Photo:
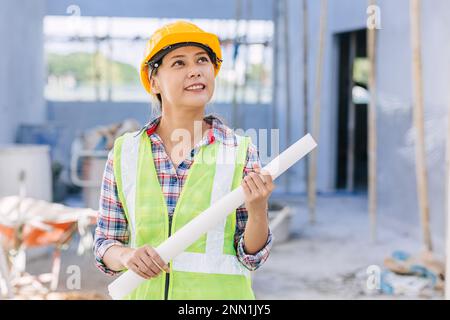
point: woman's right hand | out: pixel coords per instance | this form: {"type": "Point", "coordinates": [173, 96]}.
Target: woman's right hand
{"type": "Point", "coordinates": [144, 261]}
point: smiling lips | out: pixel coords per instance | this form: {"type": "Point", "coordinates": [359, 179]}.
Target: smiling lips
{"type": "Point", "coordinates": [196, 87]}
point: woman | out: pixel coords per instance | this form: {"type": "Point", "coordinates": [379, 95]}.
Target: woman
{"type": "Point", "coordinates": [155, 182]}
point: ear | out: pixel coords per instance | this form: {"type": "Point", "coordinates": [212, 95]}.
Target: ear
{"type": "Point", "coordinates": [155, 85]}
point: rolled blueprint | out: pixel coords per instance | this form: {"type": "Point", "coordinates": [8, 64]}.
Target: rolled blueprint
{"type": "Point", "coordinates": [205, 221]}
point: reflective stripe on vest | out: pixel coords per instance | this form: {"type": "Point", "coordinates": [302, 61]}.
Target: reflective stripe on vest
{"type": "Point", "coordinates": [129, 161]}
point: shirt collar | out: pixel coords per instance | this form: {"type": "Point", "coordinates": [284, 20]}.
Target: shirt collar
{"type": "Point", "coordinates": [217, 130]}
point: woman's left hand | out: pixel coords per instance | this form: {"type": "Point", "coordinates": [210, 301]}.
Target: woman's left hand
{"type": "Point", "coordinates": [258, 187]}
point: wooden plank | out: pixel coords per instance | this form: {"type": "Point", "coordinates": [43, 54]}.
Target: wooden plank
{"type": "Point", "coordinates": [316, 118]}
{"type": "Point", "coordinates": [372, 126]}
{"type": "Point", "coordinates": [447, 210]}
{"type": "Point", "coordinates": [418, 115]}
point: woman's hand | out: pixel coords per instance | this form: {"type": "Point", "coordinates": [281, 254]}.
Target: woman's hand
{"type": "Point", "coordinates": [144, 261]}
{"type": "Point", "coordinates": [258, 187]}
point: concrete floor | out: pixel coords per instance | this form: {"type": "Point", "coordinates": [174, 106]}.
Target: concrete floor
{"type": "Point", "coordinates": [327, 260]}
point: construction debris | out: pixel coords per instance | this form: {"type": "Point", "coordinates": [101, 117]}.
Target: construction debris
{"type": "Point", "coordinates": [29, 223]}
{"type": "Point", "coordinates": [89, 155]}
{"type": "Point", "coordinates": [412, 275]}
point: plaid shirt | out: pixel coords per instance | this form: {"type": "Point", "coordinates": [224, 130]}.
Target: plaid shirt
{"type": "Point", "coordinates": [112, 226]}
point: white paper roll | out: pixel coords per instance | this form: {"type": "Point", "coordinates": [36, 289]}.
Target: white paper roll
{"type": "Point", "coordinates": [190, 232]}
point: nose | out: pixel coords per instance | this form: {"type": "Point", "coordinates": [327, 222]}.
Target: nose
{"type": "Point", "coordinates": [194, 73]}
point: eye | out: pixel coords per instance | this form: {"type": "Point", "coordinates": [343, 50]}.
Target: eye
{"type": "Point", "coordinates": [178, 62]}
{"type": "Point", "coordinates": [203, 59]}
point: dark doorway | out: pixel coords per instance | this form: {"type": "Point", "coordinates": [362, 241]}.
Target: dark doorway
{"type": "Point", "coordinates": [353, 71]}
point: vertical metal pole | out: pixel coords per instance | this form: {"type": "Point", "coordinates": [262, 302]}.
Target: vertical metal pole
{"type": "Point", "coordinates": [276, 18]}
{"type": "Point", "coordinates": [305, 79]}
{"type": "Point", "coordinates": [447, 210]}
{"type": "Point", "coordinates": [247, 65]}
{"type": "Point", "coordinates": [235, 57]}
{"type": "Point", "coordinates": [287, 58]}
{"type": "Point", "coordinates": [97, 76]}
{"type": "Point", "coordinates": [109, 70]}
{"type": "Point", "coordinates": [351, 118]}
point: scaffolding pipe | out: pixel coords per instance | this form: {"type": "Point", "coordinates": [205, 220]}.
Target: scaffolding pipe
{"type": "Point", "coordinates": [305, 41]}
{"type": "Point", "coordinates": [276, 18]}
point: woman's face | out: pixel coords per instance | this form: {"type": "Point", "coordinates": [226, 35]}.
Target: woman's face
{"type": "Point", "coordinates": [185, 78]}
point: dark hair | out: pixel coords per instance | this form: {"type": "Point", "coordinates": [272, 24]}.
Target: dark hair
{"type": "Point", "coordinates": [154, 71]}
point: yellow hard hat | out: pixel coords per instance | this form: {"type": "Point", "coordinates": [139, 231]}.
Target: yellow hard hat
{"type": "Point", "coordinates": [174, 35]}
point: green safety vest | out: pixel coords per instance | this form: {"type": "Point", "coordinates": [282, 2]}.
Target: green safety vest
{"type": "Point", "coordinates": [209, 268]}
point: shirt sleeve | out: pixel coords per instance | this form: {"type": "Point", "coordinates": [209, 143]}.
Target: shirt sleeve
{"type": "Point", "coordinates": [250, 261]}
{"type": "Point", "coordinates": [112, 225]}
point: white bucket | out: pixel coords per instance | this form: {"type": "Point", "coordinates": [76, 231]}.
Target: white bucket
{"type": "Point", "coordinates": [279, 222]}
{"type": "Point", "coordinates": [34, 161]}
{"type": "Point", "coordinates": [94, 168]}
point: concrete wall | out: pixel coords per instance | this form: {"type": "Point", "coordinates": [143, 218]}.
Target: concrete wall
{"type": "Point", "coordinates": [397, 196]}
{"type": "Point", "coordinates": [397, 184]}
{"type": "Point", "coordinates": [21, 65]}
{"type": "Point", "coordinates": [343, 15]}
